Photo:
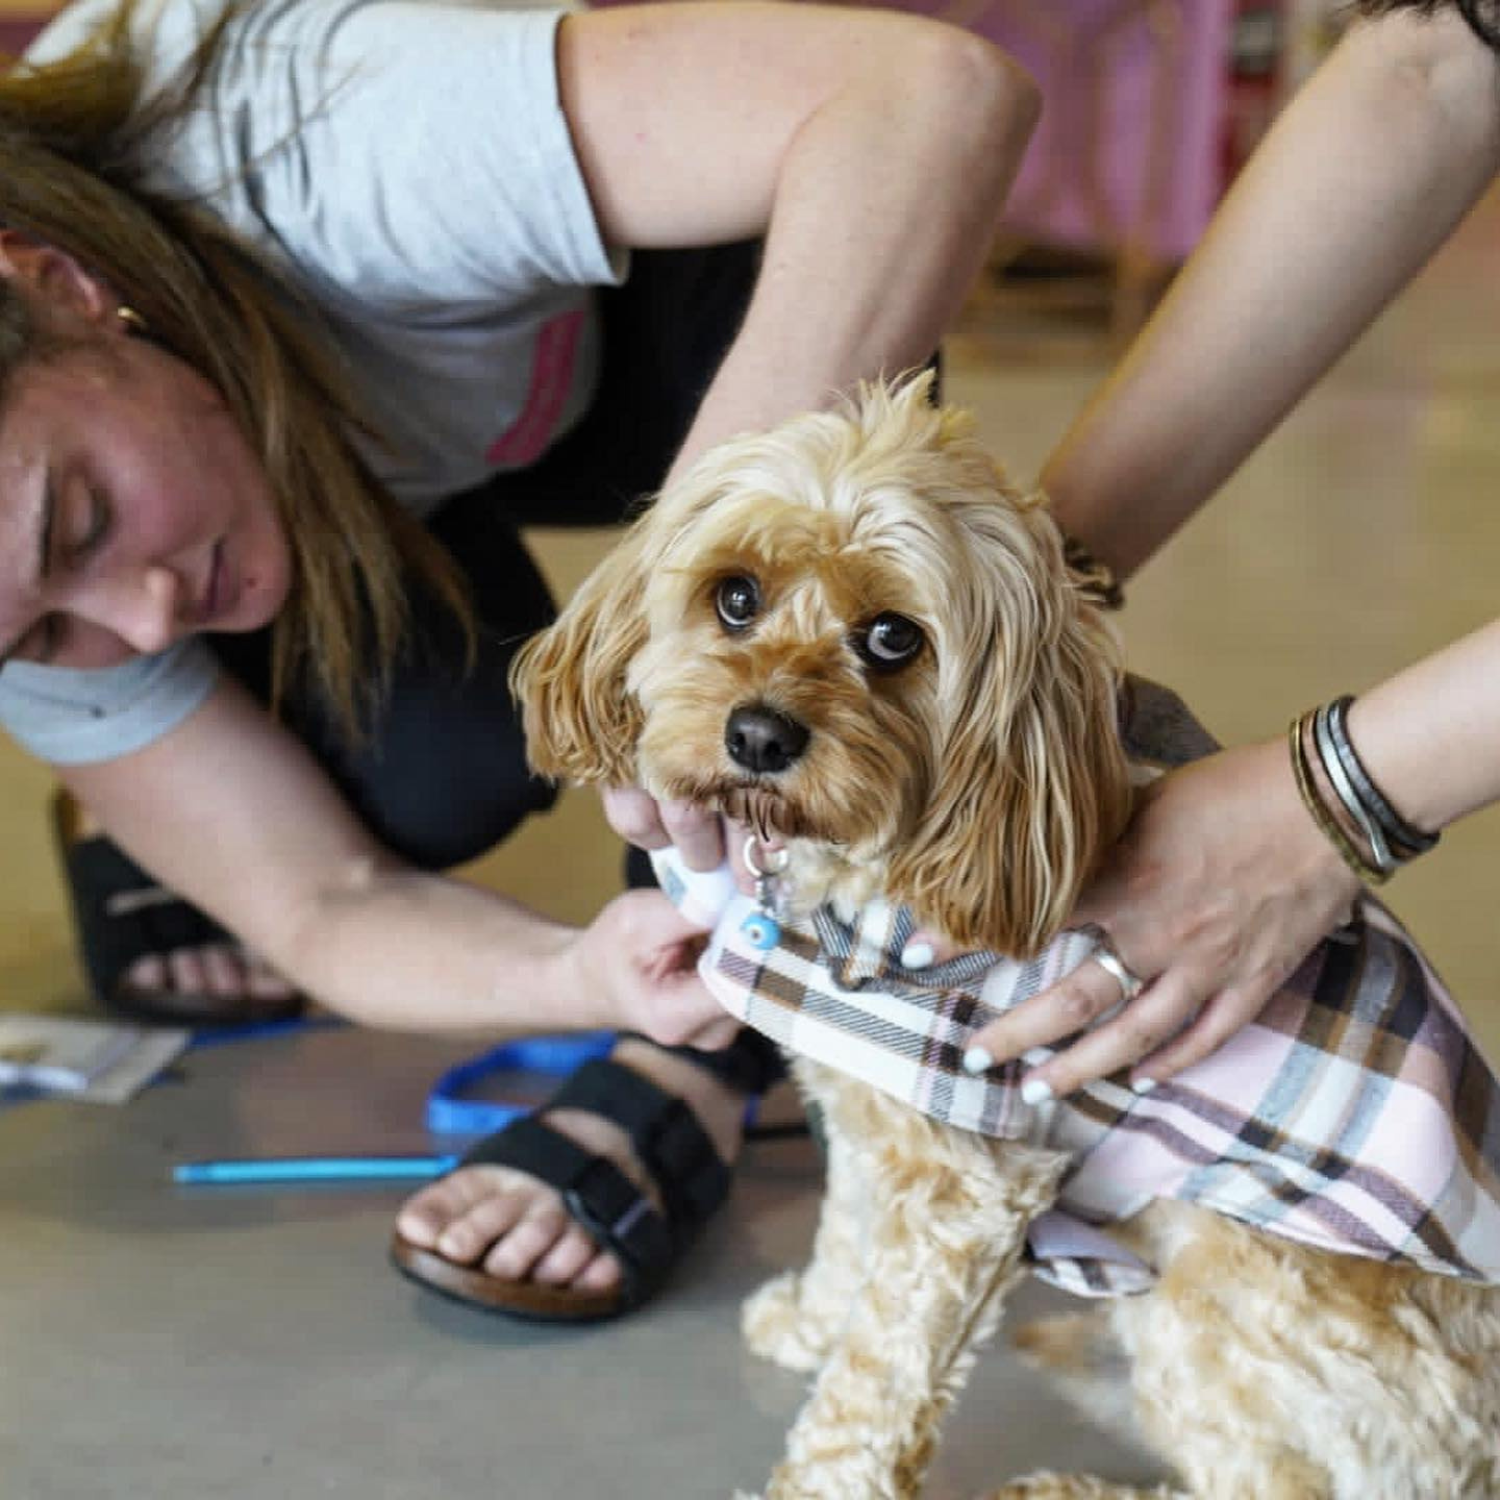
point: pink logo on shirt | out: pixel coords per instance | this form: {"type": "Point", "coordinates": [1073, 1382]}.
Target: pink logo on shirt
{"type": "Point", "coordinates": [551, 380]}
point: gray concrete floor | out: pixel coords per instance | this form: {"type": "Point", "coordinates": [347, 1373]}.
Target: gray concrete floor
{"type": "Point", "coordinates": [161, 1342]}
{"type": "Point", "coordinates": [252, 1342]}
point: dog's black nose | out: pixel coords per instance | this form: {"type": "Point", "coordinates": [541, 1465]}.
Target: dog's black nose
{"type": "Point", "coordinates": [760, 739]}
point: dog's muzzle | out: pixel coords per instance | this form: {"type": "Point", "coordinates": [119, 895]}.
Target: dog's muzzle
{"type": "Point", "coordinates": [761, 740]}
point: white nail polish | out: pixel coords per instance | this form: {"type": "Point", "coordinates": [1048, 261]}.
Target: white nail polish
{"type": "Point", "coordinates": [978, 1060]}
{"type": "Point", "coordinates": [1143, 1085]}
{"type": "Point", "coordinates": [1036, 1091]}
{"type": "Point", "coordinates": [917, 955]}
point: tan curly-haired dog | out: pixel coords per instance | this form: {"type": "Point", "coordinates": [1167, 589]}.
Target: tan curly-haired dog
{"type": "Point", "coordinates": [942, 695]}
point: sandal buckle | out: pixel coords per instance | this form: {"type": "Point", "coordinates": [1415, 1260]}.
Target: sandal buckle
{"type": "Point", "coordinates": [628, 1225]}
{"type": "Point", "coordinates": [682, 1161]}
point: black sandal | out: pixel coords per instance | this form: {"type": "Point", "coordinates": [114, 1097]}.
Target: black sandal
{"type": "Point", "coordinates": [121, 914]}
{"type": "Point", "coordinates": [672, 1148]}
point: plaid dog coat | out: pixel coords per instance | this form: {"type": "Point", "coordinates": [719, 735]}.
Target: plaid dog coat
{"type": "Point", "coordinates": [1355, 1114]}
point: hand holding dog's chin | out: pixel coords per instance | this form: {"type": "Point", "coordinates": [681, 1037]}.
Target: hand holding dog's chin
{"type": "Point", "coordinates": [1220, 887]}
{"type": "Point", "coordinates": [634, 968]}
{"type": "Point", "coordinates": [641, 820]}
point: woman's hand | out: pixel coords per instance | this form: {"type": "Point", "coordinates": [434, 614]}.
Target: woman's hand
{"type": "Point", "coordinates": [641, 820]}
{"type": "Point", "coordinates": [639, 958]}
{"type": "Point", "coordinates": [703, 838]}
{"type": "Point", "coordinates": [1220, 887]}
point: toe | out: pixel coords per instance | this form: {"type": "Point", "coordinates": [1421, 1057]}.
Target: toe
{"type": "Point", "coordinates": [533, 1234]}
{"type": "Point", "coordinates": [426, 1214]}
{"type": "Point", "coordinates": [186, 971]}
{"type": "Point", "coordinates": [566, 1259]}
{"type": "Point", "coordinates": [602, 1274]}
{"type": "Point", "coordinates": [469, 1236]}
{"type": "Point", "coordinates": [146, 974]}
{"type": "Point", "coordinates": [264, 982]}
{"type": "Point", "coordinates": [223, 970]}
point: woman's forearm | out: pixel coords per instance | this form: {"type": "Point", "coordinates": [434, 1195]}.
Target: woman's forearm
{"type": "Point", "coordinates": [395, 947]}
{"type": "Point", "coordinates": [1367, 171]}
{"type": "Point", "coordinates": [230, 811]}
{"type": "Point", "coordinates": [1430, 736]}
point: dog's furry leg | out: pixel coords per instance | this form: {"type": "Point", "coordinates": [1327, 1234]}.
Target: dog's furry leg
{"type": "Point", "coordinates": [796, 1317]}
{"type": "Point", "coordinates": [948, 1215]}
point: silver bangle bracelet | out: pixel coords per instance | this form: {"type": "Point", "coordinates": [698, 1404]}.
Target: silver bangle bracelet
{"type": "Point", "coordinates": [1333, 768]}
{"type": "Point", "coordinates": [1407, 841]}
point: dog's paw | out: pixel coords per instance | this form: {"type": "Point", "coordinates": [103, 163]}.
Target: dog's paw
{"type": "Point", "coordinates": [777, 1327]}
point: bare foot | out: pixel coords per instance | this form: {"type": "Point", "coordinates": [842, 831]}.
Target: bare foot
{"type": "Point", "coordinates": [223, 970]}
{"type": "Point", "coordinates": [513, 1226]}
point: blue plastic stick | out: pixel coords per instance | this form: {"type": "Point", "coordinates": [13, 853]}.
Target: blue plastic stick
{"type": "Point", "coordinates": [315, 1169]}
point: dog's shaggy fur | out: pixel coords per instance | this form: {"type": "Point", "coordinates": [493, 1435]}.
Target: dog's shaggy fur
{"type": "Point", "coordinates": [970, 768]}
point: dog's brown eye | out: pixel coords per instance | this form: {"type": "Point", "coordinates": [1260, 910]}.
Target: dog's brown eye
{"type": "Point", "coordinates": [737, 601]}
{"type": "Point", "coordinates": [890, 641]}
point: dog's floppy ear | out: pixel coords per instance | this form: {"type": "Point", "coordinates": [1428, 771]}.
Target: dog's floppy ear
{"type": "Point", "coordinates": [580, 722]}
{"type": "Point", "coordinates": [1030, 782]}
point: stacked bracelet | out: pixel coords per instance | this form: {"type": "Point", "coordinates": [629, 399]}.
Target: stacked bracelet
{"type": "Point", "coordinates": [1373, 839]}
{"type": "Point", "coordinates": [1406, 842]}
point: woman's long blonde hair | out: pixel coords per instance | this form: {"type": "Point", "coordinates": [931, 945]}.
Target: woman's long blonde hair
{"type": "Point", "coordinates": [74, 141]}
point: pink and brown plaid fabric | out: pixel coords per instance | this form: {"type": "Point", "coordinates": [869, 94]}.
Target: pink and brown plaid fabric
{"type": "Point", "coordinates": [1357, 1113]}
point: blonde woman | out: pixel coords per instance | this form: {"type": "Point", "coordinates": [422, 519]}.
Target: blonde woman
{"type": "Point", "coordinates": [303, 307]}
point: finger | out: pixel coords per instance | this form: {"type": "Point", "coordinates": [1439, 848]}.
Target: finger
{"type": "Point", "coordinates": [924, 949]}
{"type": "Point", "coordinates": [1070, 1005]}
{"type": "Point", "coordinates": [684, 1012]}
{"type": "Point", "coordinates": [1142, 1027]}
{"type": "Point", "coordinates": [633, 814]}
{"type": "Point", "coordinates": [653, 929]}
{"type": "Point", "coordinates": [697, 833]}
{"type": "Point", "coordinates": [1220, 1019]}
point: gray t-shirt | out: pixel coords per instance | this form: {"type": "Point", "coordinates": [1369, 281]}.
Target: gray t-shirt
{"type": "Point", "coordinates": [407, 162]}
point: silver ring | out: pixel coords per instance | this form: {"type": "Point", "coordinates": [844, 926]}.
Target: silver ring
{"type": "Point", "coordinates": [777, 858]}
{"type": "Point", "coordinates": [1130, 984]}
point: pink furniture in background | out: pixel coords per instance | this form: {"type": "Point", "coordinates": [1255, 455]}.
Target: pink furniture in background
{"type": "Point", "coordinates": [1128, 157]}
{"type": "Point", "coordinates": [17, 28]}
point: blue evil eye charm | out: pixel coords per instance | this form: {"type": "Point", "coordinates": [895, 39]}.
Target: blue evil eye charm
{"type": "Point", "coordinates": [762, 929]}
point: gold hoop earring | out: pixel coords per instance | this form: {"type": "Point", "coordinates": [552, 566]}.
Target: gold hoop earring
{"type": "Point", "coordinates": [133, 321]}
